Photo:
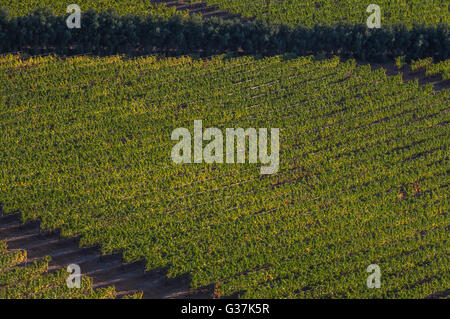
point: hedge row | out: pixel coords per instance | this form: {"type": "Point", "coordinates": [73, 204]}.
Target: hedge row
{"type": "Point", "coordinates": [109, 33]}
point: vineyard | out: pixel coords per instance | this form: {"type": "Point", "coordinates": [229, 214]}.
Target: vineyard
{"type": "Point", "coordinates": [325, 12]}
{"type": "Point", "coordinates": [92, 176]}
{"type": "Point", "coordinates": [363, 176]}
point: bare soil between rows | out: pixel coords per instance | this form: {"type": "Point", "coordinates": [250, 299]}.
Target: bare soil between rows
{"type": "Point", "coordinates": [127, 278]}
{"type": "Point", "coordinates": [105, 270]}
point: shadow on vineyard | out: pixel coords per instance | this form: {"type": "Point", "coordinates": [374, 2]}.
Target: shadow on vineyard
{"type": "Point", "coordinates": [436, 80]}
{"type": "Point", "coordinates": [106, 271]}
{"type": "Point", "coordinates": [201, 8]}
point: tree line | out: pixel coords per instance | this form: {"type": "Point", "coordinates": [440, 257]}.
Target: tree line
{"type": "Point", "coordinates": [107, 32]}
